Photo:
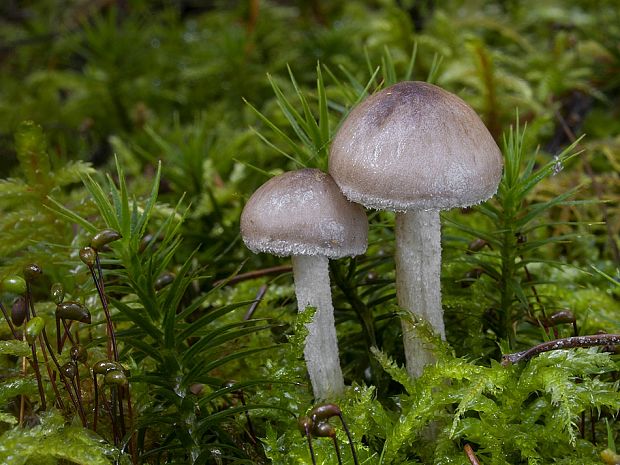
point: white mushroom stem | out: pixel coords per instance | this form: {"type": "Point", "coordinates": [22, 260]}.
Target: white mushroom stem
{"type": "Point", "coordinates": [312, 288]}
{"type": "Point", "coordinates": [418, 281]}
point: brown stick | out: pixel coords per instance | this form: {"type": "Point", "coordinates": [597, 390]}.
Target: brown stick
{"type": "Point", "coordinates": [255, 274]}
{"type": "Point", "coordinates": [257, 300]}
{"type": "Point", "coordinates": [565, 343]}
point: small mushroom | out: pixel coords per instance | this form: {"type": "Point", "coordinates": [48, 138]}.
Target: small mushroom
{"type": "Point", "coordinates": [303, 214]}
{"type": "Point", "coordinates": [416, 149]}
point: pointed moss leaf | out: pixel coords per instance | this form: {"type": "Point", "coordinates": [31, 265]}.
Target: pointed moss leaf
{"type": "Point", "coordinates": [12, 387]}
{"type": "Point", "coordinates": [300, 330]}
{"type": "Point", "coordinates": [8, 418]}
{"type": "Point", "coordinates": [554, 373]}
{"type": "Point", "coordinates": [13, 190]}
{"type": "Point", "coordinates": [482, 382]}
{"type": "Point", "coordinates": [398, 374]}
{"type": "Point", "coordinates": [31, 149]}
{"type": "Point", "coordinates": [15, 348]}
{"type": "Point", "coordinates": [72, 173]}
{"type": "Point", "coordinates": [69, 215]}
{"type": "Point", "coordinates": [52, 441]}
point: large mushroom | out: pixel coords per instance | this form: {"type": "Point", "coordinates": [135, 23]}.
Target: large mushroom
{"type": "Point", "coordinates": [416, 149]}
{"type": "Point", "coordinates": [303, 214]}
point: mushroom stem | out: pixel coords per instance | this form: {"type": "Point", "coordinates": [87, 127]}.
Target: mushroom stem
{"type": "Point", "coordinates": [312, 288]}
{"type": "Point", "coordinates": [418, 283]}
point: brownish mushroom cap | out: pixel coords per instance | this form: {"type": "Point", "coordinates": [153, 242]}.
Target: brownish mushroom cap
{"type": "Point", "coordinates": [415, 146]}
{"type": "Point", "coordinates": [303, 212]}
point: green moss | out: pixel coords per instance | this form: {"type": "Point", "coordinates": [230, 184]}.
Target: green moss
{"type": "Point", "coordinates": [52, 441]}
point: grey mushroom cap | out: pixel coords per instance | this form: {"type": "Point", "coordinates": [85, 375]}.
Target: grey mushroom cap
{"type": "Point", "coordinates": [415, 146]}
{"type": "Point", "coordinates": [303, 212]}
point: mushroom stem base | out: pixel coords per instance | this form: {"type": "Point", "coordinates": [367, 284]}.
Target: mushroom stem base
{"type": "Point", "coordinates": [418, 284]}
{"type": "Point", "coordinates": [312, 288]}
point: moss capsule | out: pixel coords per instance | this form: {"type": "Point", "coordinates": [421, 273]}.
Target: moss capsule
{"type": "Point", "coordinates": [104, 237]}
{"type": "Point", "coordinates": [13, 285]}
{"type": "Point", "coordinates": [58, 293]}
{"type": "Point", "coordinates": [163, 280]}
{"type": "Point", "coordinates": [323, 429]}
{"type": "Point", "coordinates": [18, 311]}
{"type": "Point", "coordinates": [561, 317]}
{"type": "Point", "coordinates": [116, 377]}
{"type": "Point", "coordinates": [102, 367]}
{"type": "Point", "coordinates": [74, 311]}
{"type": "Point", "coordinates": [88, 255]}
{"type": "Point", "coordinates": [324, 412]}
{"type": "Point", "coordinates": [32, 272]}
{"type": "Point", "coordinates": [79, 353]}
{"type": "Point", "coordinates": [34, 328]}
{"type": "Point", "coordinates": [69, 369]}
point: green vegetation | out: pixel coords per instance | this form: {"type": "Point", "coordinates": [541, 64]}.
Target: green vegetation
{"type": "Point", "coordinates": [136, 328]}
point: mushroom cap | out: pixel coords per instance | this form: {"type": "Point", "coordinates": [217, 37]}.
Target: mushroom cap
{"type": "Point", "coordinates": [303, 212]}
{"type": "Point", "coordinates": [415, 146]}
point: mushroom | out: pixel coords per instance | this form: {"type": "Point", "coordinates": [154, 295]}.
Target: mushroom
{"type": "Point", "coordinates": [416, 149]}
{"type": "Point", "coordinates": [303, 214]}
